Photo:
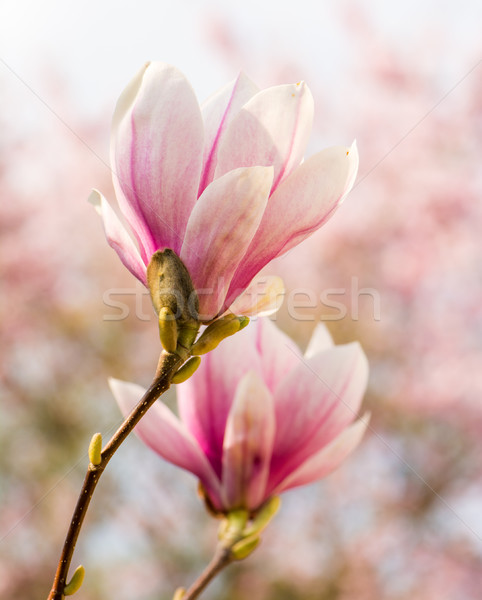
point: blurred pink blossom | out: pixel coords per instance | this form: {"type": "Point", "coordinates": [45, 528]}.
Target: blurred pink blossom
{"type": "Point", "coordinates": [224, 185]}
{"type": "Point", "coordinates": [258, 418]}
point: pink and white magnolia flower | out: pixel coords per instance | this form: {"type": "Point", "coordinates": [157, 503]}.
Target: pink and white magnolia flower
{"type": "Point", "coordinates": [224, 185]}
{"type": "Point", "coordinates": [257, 418]}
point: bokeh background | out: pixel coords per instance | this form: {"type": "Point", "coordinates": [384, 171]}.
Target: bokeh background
{"type": "Point", "coordinates": [399, 267]}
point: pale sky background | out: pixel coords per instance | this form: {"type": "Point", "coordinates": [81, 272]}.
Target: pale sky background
{"type": "Point", "coordinates": [96, 46]}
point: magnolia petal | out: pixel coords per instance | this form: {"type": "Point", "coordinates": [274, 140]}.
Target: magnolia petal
{"type": "Point", "coordinates": [219, 231]}
{"type": "Point", "coordinates": [248, 444]}
{"type": "Point", "coordinates": [118, 238]}
{"type": "Point", "coordinates": [354, 160]}
{"type": "Point", "coordinates": [273, 128]}
{"type": "Point", "coordinates": [205, 399]}
{"type": "Point", "coordinates": [300, 205]}
{"type": "Point", "coordinates": [263, 297]}
{"type": "Point", "coordinates": [165, 434]}
{"type": "Point", "coordinates": [129, 206]}
{"type": "Point", "coordinates": [277, 353]}
{"type": "Point", "coordinates": [328, 459]}
{"type": "Point", "coordinates": [320, 340]}
{"type": "Point", "coordinates": [332, 385]}
{"type": "Point", "coordinates": [218, 112]}
{"type": "Point", "coordinates": [156, 154]}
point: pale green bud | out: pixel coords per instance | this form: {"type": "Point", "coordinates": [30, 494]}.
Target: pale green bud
{"type": "Point", "coordinates": [174, 299]}
{"type": "Point", "coordinates": [242, 549]}
{"type": "Point", "coordinates": [186, 370]}
{"type": "Point", "coordinates": [232, 526]}
{"type": "Point", "coordinates": [167, 329]}
{"type": "Point", "coordinates": [186, 336]}
{"type": "Point", "coordinates": [170, 285]}
{"type": "Point", "coordinates": [76, 581]}
{"type": "Point", "coordinates": [263, 517]}
{"type": "Point", "coordinates": [243, 322]}
{"type": "Point", "coordinates": [217, 332]}
{"type": "Point", "coordinates": [179, 593]}
{"type": "Point", "coordinates": [95, 449]}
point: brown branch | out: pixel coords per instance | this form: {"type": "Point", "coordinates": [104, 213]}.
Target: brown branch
{"type": "Point", "coordinates": [168, 365]}
{"type": "Point", "coordinates": [222, 558]}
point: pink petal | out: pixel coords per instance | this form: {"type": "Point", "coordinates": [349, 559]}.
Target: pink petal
{"type": "Point", "coordinates": [263, 297]}
{"type": "Point", "coordinates": [156, 153]}
{"type": "Point", "coordinates": [300, 206]}
{"type": "Point", "coordinates": [220, 229]}
{"type": "Point", "coordinates": [320, 340]}
{"type": "Point", "coordinates": [273, 128]}
{"type": "Point", "coordinates": [328, 459]}
{"type": "Point", "coordinates": [314, 403]}
{"type": "Point", "coordinates": [277, 352]}
{"type": "Point", "coordinates": [248, 444]}
{"type": "Point", "coordinates": [218, 112]}
{"type": "Point", "coordinates": [167, 436]}
{"type": "Point", "coordinates": [205, 399]}
{"type": "Point", "coordinates": [118, 238]}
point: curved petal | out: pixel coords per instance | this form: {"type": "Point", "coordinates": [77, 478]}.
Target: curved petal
{"type": "Point", "coordinates": [219, 231]}
{"type": "Point", "coordinates": [329, 387]}
{"type": "Point", "coordinates": [263, 297]}
{"type": "Point", "coordinates": [278, 353]}
{"type": "Point", "coordinates": [300, 206]}
{"type": "Point", "coordinates": [248, 444]}
{"type": "Point", "coordinates": [156, 154]}
{"type": "Point", "coordinates": [273, 128]}
{"type": "Point", "coordinates": [320, 340]}
{"type": "Point", "coordinates": [166, 435]}
{"type": "Point", "coordinates": [118, 238]}
{"type": "Point", "coordinates": [328, 459]}
{"type": "Point", "coordinates": [218, 112]}
{"type": "Point", "coordinates": [205, 399]}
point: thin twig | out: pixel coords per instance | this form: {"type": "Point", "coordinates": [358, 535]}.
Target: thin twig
{"type": "Point", "coordinates": [222, 558]}
{"type": "Point", "coordinates": [168, 365]}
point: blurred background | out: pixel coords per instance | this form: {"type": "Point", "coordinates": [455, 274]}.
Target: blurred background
{"type": "Point", "coordinates": [399, 267]}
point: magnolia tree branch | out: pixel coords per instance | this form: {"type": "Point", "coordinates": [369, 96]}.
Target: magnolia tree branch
{"type": "Point", "coordinates": [222, 558]}
{"type": "Point", "coordinates": [238, 537]}
{"type": "Point", "coordinates": [167, 367]}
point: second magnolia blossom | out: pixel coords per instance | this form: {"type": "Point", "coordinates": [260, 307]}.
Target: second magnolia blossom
{"type": "Point", "coordinates": [223, 185]}
{"type": "Point", "coordinates": [258, 418]}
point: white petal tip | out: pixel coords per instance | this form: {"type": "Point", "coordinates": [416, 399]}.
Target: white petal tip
{"type": "Point", "coordinates": [262, 298]}
{"type": "Point", "coordinates": [320, 340]}
{"type": "Point", "coordinates": [114, 384]}
{"type": "Point", "coordinates": [352, 151]}
{"type": "Point", "coordinates": [95, 198]}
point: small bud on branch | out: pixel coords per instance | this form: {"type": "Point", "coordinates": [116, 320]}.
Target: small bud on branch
{"type": "Point", "coordinates": [187, 370]}
{"type": "Point", "coordinates": [76, 581]}
{"type": "Point", "coordinates": [95, 448]}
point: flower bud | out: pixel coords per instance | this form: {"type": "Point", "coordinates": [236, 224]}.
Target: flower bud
{"type": "Point", "coordinates": [263, 517]}
{"type": "Point", "coordinates": [76, 581]}
{"type": "Point", "coordinates": [95, 448]}
{"type": "Point", "coordinates": [244, 548]}
{"type": "Point", "coordinates": [168, 329]}
{"type": "Point", "coordinates": [217, 332]}
{"type": "Point", "coordinates": [186, 370]}
{"type": "Point", "coordinates": [173, 296]}
{"type": "Point", "coordinates": [243, 322]}
{"type": "Point", "coordinates": [232, 526]}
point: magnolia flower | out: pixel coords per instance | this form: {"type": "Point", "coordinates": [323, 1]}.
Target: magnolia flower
{"type": "Point", "coordinates": [223, 185]}
{"type": "Point", "coordinates": [257, 418]}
